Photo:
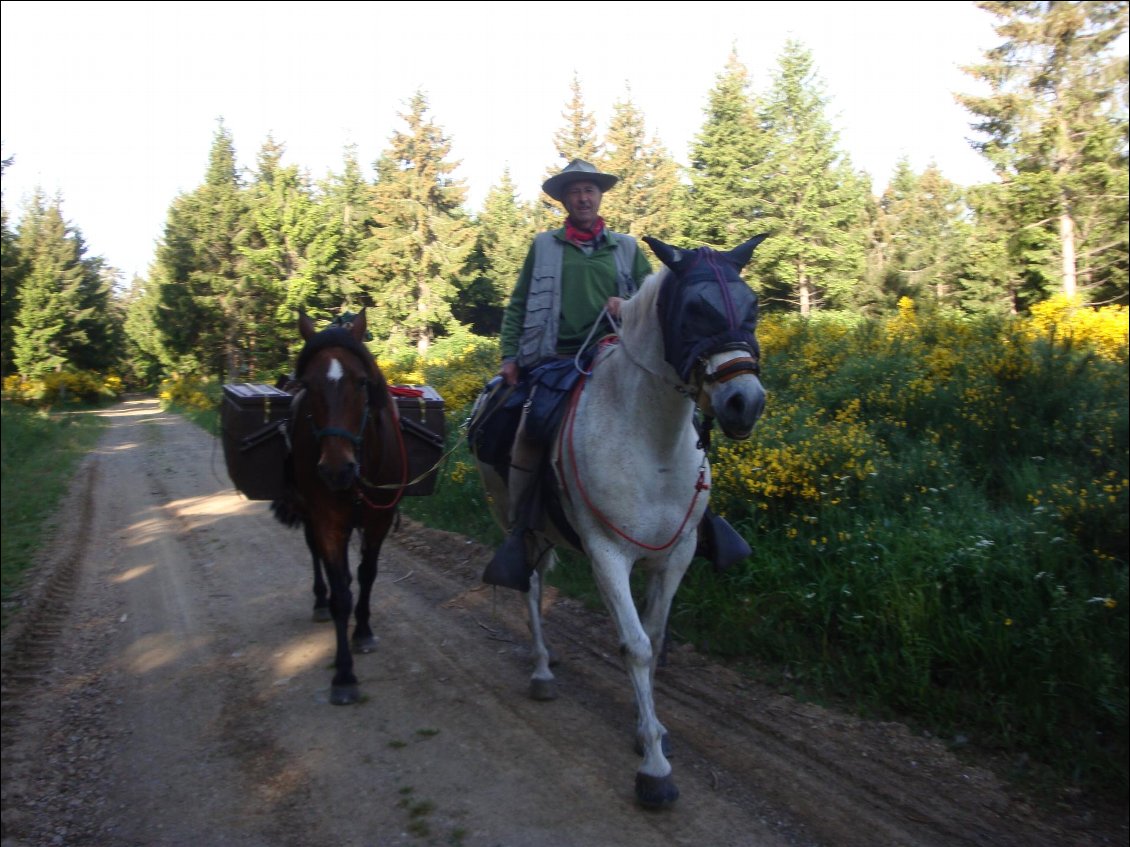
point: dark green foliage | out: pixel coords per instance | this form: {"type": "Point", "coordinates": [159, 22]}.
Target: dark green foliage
{"type": "Point", "coordinates": [412, 264]}
{"type": "Point", "coordinates": [63, 317]}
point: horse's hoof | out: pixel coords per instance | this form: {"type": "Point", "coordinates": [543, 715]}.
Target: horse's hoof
{"type": "Point", "coordinates": [321, 615]}
{"type": "Point", "coordinates": [543, 689]}
{"type": "Point", "coordinates": [344, 695]}
{"type": "Point", "coordinates": [664, 745]}
{"type": "Point", "coordinates": [365, 645]}
{"type": "Point", "coordinates": [655, 792]}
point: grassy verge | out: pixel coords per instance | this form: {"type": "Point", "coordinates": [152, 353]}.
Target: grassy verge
{"type": "Point", "coordinates": [39, 452]}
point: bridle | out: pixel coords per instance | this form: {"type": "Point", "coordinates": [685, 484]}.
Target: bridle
{"type": "Point", "coordinates": [357, 440]}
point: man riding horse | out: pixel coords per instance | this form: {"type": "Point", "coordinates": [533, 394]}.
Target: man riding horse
{"type": "Point", "coordinates": [572, 277]}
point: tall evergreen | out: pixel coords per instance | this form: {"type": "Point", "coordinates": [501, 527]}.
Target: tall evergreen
{"type": "Point", "coordinates": [12, 272]}
{"type": "Point", "coordinates": [726, 162]}
{"type": "Point", "coordinates": [200, 307]}
{"type": "Point", "coordinates": [576, 139]}
{"type": "Point", "coordinates": [503, 234]}
{"type": "Point", "coordinates": [646, 197]}
{"type": "Point", "coordinates": [413, 263]}
{"type": "Point", "coordinates": [807, 195]}
{"type": "Point", "coordinates": [278, 279]}
{"type": "Point", "coordinates": [64, 319]}
{"type": "Point", "coordinates": [1054, 127]}
{"type": "Point", "coordinates": [344, 208]}
{"type": "Point", "coordinates": [922, 219]}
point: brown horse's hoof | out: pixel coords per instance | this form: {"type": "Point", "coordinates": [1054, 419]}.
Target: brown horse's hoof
{"type": "Point", "coordinates": [543, 689]}
{"type": "Point", "coordinates": [345, 695]}
{"type": "Point", "coordinates": [365, 645]}
{"type": "Point", "coordinates": [655, 792]}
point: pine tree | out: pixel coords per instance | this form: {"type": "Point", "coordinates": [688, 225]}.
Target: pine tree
{"type": "Point", "coordinates": [576, 139]}
{"type": "Point", "coordinates": [645, 199]}
{"type": "Point", "coordinates": [278, 279]}
{"type": "Point", "coordinates": [64, 318]}
{"type": "Point", "coordinates": [344, 207]}
{"type": "Point", "coordinates": [727, 159]}
{"type": "Point", "coordinates": [1054, 128]}
{"type": "Point", "coordinates": [807, 195]}
{"type": "Point", "coordinates": [200, 305]}
{"type": "Point", "coordinates": [924, 233]}
{"type": "Point", "coordinates": [413, 263]}
{"type": "Point", "coordinates": [504, 232]}
{"type": "Point", "coordinates": [13, 271]}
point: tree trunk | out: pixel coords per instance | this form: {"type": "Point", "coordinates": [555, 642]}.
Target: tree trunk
{"type": "Point", "coordinates": [1067, 239]}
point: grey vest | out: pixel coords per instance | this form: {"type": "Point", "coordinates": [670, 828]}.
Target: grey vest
{"type": "Point", "coordinates": [543, 303]}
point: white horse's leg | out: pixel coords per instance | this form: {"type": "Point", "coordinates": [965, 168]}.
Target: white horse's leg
{"type": "Point", "coordinates": [662, 583]}
{"type": "Point", "coordinates": [654, 786]}
{"type": "Point", "coordinates": [543, 685]}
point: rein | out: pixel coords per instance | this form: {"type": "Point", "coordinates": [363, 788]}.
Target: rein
{"type": "Point", "coordinates": [570, 419]}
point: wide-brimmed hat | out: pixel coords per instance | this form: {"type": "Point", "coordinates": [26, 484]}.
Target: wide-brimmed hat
{"type": "Point", "coordinates": [576, 171]}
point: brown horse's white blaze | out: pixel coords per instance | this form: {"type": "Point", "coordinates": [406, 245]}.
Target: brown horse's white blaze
{"type": "Point", "coordinates": [632, 474]}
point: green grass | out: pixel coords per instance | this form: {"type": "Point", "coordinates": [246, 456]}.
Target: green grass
{"type": "Point", "coordinates": [39, 452]}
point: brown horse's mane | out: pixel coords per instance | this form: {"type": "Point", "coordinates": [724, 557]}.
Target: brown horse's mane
{"type": "Point", "coordinates": [335, 336]}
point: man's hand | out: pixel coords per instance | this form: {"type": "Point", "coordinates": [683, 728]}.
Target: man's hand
{"type": "Point", "coordinates": [613, 306]}
{"type": "Point", "coordinates": [509, 372]}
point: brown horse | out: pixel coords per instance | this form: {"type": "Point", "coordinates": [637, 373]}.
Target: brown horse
{"type": "Point", "coordinates": [348, 471]}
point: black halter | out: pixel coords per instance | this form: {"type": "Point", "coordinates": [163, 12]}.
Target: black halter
{"type": "Point", "coordinates": [335, 336]}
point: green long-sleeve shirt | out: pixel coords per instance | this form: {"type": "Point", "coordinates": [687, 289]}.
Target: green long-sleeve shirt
{"type": "Point", "coordinates": [587, 281]}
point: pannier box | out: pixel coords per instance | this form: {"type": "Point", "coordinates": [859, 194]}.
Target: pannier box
{"type": "Point", "coordinates": [424, 428]}
{"type": "Point", "coordinates": [253, 418]}
{"type": "Point", "coordinates": [253, 421]}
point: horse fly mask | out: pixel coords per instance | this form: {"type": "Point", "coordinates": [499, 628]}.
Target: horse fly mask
{"type": "Point", "coordinates": [707, 308]}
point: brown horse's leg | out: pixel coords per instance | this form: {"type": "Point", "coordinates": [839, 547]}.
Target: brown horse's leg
{"type": "Point", "coordinates": [374, 534]}
{"type": "Point", "coordinates": [335, 554]}
{"type": "Point", "coordinates": [321, 603]}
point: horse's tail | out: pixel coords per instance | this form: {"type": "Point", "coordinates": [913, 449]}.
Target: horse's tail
{"type": "Point", "coordinates": [286, 512]}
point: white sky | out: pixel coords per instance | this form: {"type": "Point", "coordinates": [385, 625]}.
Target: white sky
{"type": "Point", "coordinates": [115, 105]}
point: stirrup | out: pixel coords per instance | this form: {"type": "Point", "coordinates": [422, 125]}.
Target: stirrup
{"type": "Point", "coordinates": [509, 568]}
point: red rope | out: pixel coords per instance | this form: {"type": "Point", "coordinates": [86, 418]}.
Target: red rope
{"type": "Point", "coordinates": [403, 465]}
{"type": "Point", "coordinates": [571, 418]}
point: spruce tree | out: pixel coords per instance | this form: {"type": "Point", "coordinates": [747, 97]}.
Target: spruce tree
{"type": "Point", "coordinates": [64, 318]}
{"type": "Point", "coordinates": [922, 218]}
{"type": "Point", "coordinates": [201, 307]}
{"type": "Point", "coordinates": [807, 195]}
{"type": "Point", "coordinates": [1054, 128]}
{"type": "Point", "coordinates": [576, 139]}
{"type": "Point", "coordinates": [503, 235]}
{"type": "Point", "coordinates": [12, 272]}
{"type": "Point", "coordinates": [413, 262]}
{"type": "Point", "coordinates": [344, 207]}
{"type": "Point", "coordinates": [727, 159]}
{"type": "Point", "coordinates": [645, 199]}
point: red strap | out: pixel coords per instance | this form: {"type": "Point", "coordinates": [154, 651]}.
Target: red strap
{"type": "Point", "coordinates": [405, 391]}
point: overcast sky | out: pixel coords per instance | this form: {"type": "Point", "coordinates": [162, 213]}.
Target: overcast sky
{"type": "Point", "coordinates": [115, 105]}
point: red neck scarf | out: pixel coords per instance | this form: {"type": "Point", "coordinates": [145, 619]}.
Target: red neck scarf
{"type": "Point", "coordinates": [580, 235]}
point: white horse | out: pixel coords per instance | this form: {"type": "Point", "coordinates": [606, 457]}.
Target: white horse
{"type": "Point", "coordinates": [632, 474]}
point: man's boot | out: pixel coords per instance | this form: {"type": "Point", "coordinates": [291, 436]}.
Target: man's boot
{"type": "Point", "coordinates": [509, 568]}
{"type": "Point", "coordinates": [720, 543]}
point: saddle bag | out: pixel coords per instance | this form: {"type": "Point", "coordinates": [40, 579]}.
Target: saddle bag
{"type": "Point", "coordinates": [423, 426]}
{"type": "Point", "coordinates": [494, 421]}
{"type": "Point", "coordinates": [253, 421]}
{"type": "Point", "coordinates": [553, 383]}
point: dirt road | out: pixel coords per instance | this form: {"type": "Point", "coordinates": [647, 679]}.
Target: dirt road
{"type": "Point", "coordinates": [165, 686]}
